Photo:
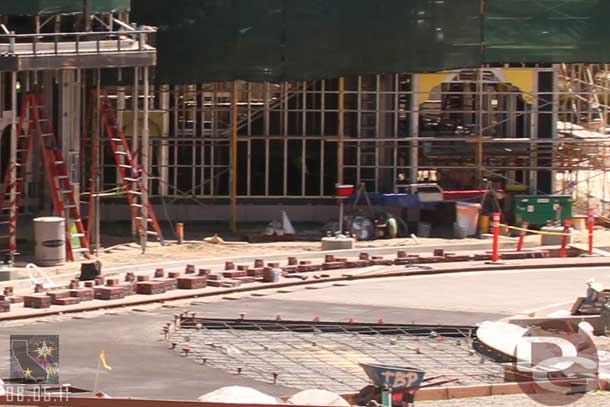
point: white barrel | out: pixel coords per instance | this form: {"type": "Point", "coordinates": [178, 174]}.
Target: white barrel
{"type": "Point", "coordinates": [50, 239]}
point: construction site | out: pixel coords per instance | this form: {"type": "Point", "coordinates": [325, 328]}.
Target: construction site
{"type": "Point", "coordinates": [310, 203]}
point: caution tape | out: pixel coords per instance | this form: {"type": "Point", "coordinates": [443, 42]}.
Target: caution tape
{"type": "Point", "coordinates": [536, 232]}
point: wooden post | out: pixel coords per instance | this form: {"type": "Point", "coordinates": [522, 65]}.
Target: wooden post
{"type": "Point", "coordinates": [590, 227]}
{"type": "Point", "coordinates": [414, 130]}
{"type": "Point", "coordinates": [145, 162]}
{"type": "Point", "coordinates": [97, 164]}
{"type": "Point", "coordinates": [234, 158]}
{"type": "Point", "coordinates": [341, 131]}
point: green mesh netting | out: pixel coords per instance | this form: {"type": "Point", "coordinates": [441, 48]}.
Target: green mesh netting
{"type": "Point", "coordinates": [33, 7]}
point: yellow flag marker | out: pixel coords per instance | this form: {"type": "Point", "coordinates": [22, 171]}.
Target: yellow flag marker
{"type": "Point", "coordinates": [103, 360]}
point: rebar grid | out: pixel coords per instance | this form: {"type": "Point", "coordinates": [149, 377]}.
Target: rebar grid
{"type": "Point", "coordinates": [307, 357]}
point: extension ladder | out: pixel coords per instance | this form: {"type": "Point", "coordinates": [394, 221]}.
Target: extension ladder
{"type": "Point", "coordinates": [142, 212]}
{"type": "Point", "coordinates": [35, 121]}
{"type": "Point", "coordinates": [13, 189]}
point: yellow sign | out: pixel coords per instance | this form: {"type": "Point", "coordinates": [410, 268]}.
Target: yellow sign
{"type": "Point", "coordinates": [523, 79]}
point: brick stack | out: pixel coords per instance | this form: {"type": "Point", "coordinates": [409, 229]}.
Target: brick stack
{"type": "Point", "coordinates": [112, 292]}
{"type": "Point", "coordinates": [292, 267]}
{"type": "Point", "coordinates": [150, 287]}
{"type": "Point", "coordinates": [331, 263]}
{"type": "Point", "coordinates": [67, 301]}
{"type": "Point", "coordinates": [457, 257]}
{"type": "Point", "coordinates": [10, 297]}
{"type": "Point", "coordinates": [381, 261]}
{"type": "Point", "coordinates": [77, 293]}
{"type": "Point", "coordinates": [192, 282]}
{"type": "Point", "coordinates": [109, 293]}
{"type": "Point", "coordinates": [402, 258]}
{"type": "Point", "coordinates": [58, 294]}
{"type": "Point", "coordinates": [255, 272]}
{"type": "Point", "coordinates": [37, 301]}
{"type": "Point", "coordinates": [234, 273]}
{"type": "Point", "coordinates": [168, 284]}
{"type": "Point", "coordinates": [215, 280]}
{"type": "Point", "coordinates": [82, 294]}
{"type": "Point", "coordinates": [306, 266]}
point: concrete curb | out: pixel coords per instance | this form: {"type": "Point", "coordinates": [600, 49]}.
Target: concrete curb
{"type": "Point", "coordinates": [446, 268]}
{"type": "Point", "coordinates": [211, 261]}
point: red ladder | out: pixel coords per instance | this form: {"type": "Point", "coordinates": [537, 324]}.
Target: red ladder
{"type": "Point", "coordinates": [9, 203]}
{"type": "Point", "coordinates": [129, 172]}
{"type": "Point", "coordinates": [65, 202]}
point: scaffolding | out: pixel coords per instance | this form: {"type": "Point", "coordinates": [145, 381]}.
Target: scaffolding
{"type": "Point", "coordinates": [41, 57]}
{"type": "Point", "coordinates": [472, 124]}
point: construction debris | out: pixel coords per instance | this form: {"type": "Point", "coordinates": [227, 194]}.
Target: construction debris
{"type": "Point", "coordinates": [214, 239]}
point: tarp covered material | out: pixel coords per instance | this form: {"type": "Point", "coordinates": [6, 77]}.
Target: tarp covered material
{"type": "Point", "coordinates": [34, 7]}
{"type": "Point", "coordinates": [218, 40]}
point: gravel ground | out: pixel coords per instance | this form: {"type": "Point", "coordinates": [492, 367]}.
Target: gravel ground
{"type": "Point", "coordinates": [130, 253]}
{"type": "Point", "coordinates": [595, 399]}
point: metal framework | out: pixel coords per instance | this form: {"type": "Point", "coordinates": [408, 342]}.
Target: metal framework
{"type": "Point", "coordinates": [384, 129]}
{"type": "Point", "coordinates": [42, 55]}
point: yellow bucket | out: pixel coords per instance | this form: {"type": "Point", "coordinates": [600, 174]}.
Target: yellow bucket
{"type": "Point", "coordinates": [484, 223]}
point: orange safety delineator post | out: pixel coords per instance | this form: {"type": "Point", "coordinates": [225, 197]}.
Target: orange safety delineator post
{"type": "Point", "coordinates": [495, 255]}
{"type": "Point", "coordinates": [522, 235]}
{"type": "Point", "coordinates": [180, 232]}
{"type": "Point", "coordinates": [563, 252]}
{"type": "Point", "coordinates": [590, 227]}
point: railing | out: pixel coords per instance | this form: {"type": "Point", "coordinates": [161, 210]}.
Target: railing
{"type": "Point", "coordinates": [94, 42]}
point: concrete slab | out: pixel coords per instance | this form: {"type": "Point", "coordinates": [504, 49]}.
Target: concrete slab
{"type": "Point", "coordinates": [142, 364]}
{"type": "Point", "coordinates": [496, 292]}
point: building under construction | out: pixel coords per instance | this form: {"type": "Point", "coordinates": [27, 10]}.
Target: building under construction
{"type": "Point", "coordinates": [222, 110]}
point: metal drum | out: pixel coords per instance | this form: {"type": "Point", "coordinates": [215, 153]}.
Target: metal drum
{"type": "Point", "coordinates": [50, 239]}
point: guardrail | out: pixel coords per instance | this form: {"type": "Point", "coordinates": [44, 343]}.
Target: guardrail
{"type": "Point", "coordinates": [83, 42]}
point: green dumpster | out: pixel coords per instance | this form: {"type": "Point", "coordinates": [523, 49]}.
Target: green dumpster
{"type": "Point", "coordinates": [537, 210]}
